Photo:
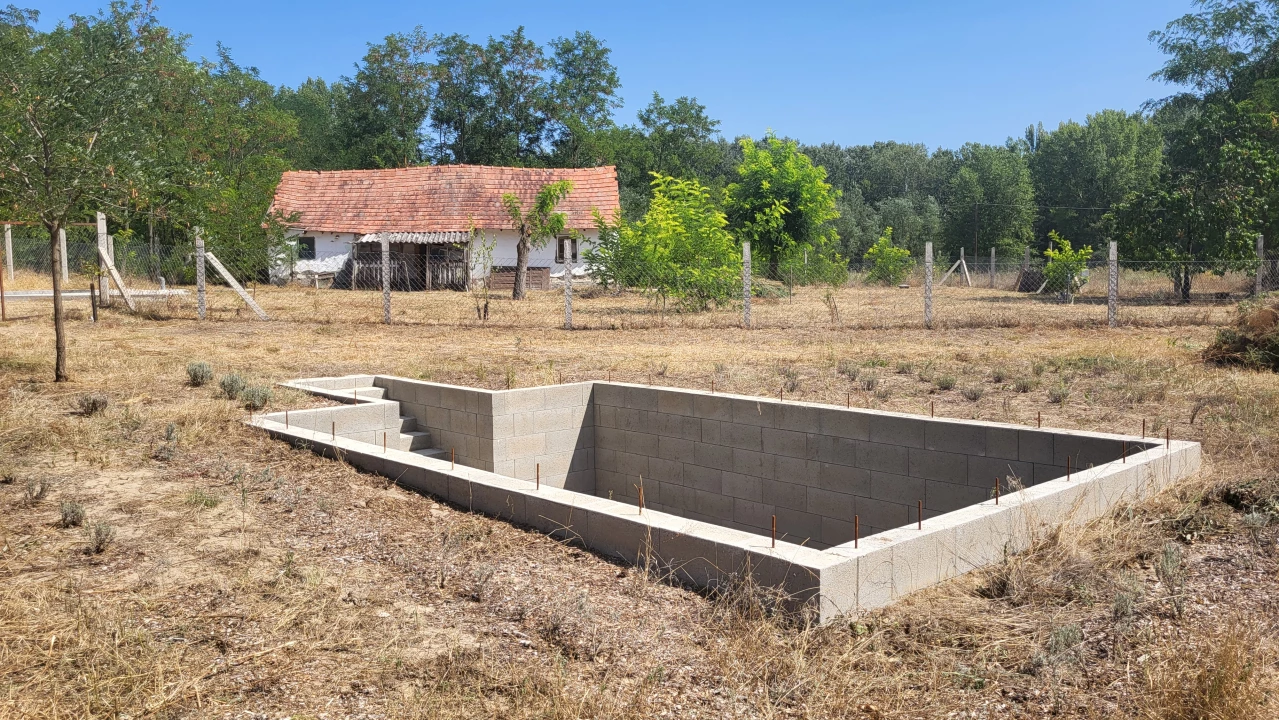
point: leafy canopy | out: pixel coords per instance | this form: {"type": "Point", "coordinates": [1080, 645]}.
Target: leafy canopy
{"type": "Point", "coordinates": [889, 264]}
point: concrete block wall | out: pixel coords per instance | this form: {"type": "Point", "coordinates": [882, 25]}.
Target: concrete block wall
{"type": "Point", "coordinates": [509, 432]}
{"type": "Point", "coordinates": [738, 461]}
{"type": "Point", "coordinates": [360, 419]}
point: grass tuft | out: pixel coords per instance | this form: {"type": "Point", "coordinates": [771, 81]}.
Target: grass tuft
{"type": "Point", "coordinates": [72, 514]}
{"type": "Point", "coordinates": [232, 385]}
{"type": "Point", "coordinates": [91, 404]}
{"type": "Point", "coordinates": [199, 374]}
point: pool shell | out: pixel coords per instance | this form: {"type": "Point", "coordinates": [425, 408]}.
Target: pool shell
{"type": "Point", "coordinates": [715, 470]}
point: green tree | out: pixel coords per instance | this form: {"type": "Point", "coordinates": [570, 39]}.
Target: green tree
{"type": "Point", "coordinates": [1093, 165]}
{"type": "Point", "coordinates": [680, 249]}
{"type": "Point", "coordinates": [381, 117]}
{"type": "Point", "coordinates": [990, 202]}
{"type": "Point", "coordinates": [783, 205]}
{"type": "Point", "coordinates": [75, 119]}
{"type": "Point", "coordinates": [535, 226]}
{"type": "Point", "coordinates": [1066, 270]}
{"type": "Point", "coordinates": [317, 144]}
{"type": "Point", "coordinates": [889, 264]}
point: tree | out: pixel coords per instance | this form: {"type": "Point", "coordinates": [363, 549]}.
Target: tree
{"type": "Point", "coordinates": [1093, 165]}
{"type": "Point", "coordinates": [583, 91]}
{"type": "Point", "coordinates": [889, 264]}
{"type": "Point", "coordinates": [381, 116]}
{"type": "Point", "coordinates": [990, 201]}
{"type": "Point", "coordinates": [1066, 269]}
{"type": "Point", "coordinates": [782, 203]}
{"type": "Point", "coordinates": [317, 144]}
{"type": "Point", "coordinates": [535, 226]}
{"type": "Point", "coordinates": [680, 249]}
{"type": "Point", "coordinates": [75, 107]}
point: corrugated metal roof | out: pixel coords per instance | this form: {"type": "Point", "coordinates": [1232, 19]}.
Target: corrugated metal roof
{"type": "Point", "coordinates": [421, 238]}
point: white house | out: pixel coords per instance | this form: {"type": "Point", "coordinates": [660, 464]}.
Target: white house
{"type": "Point", "coordinates": [437, 220]}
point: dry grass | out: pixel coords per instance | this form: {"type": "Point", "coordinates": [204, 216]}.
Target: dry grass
{"type": "Point", "coordinates": [246, 577]}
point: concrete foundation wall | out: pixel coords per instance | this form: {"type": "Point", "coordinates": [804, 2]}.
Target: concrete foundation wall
{"type": "Point", "coordinates": [739, 461]}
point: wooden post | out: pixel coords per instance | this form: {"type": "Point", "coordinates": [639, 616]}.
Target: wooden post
{"type": "Point", "coordinates": [746, 284]}
{"type": "Point", "coordinates": [104, 258]}
{"type": "Point", "coordinates": [928, 285]}
{"type": "Point", "coordinates": [1261, 264]}
{"type": "Point", "coordinates": [62, 244]}
{"type": "Point", "coordinates": [386, 279]}
{"type": "Point", "coordinates": [93, 302]}
{"type": "Point", "coordinates": [8, 251]}
{"type": "Point", "coordinates": [992, 267]}
{"type": "Point", "coordinates": [201, 290]}
{"type": "Point", "coordinates": [1112, 294]}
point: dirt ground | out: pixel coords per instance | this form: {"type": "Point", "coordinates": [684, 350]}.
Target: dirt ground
{"type": "Point", "coordinates": [216, 573]}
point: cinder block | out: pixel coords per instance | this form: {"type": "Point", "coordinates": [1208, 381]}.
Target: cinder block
{"type": "Point", "coordinates": [1084, 452]}
{"type": "Point", "coordinates": [921, 559]}
{"type": "Point", "coordinates": [700, 477]}
{"type": "Point", "coordinates": [713, 505]}
{"type": "Point", "coordinates": [964, 438]}
{"type": "Point", "coordinates": [1035, 446]}
{"type": "Point", "coordinates": [896, 488]}
{"type": "Point", "coordinates": [642, 444]}
{"type": "Point", "coordinates": [685, 427]}
{"type": "Point", "coordinates": [745, 437]}
{"type": "Point", "coordinates": [674, 449]}
{"type": "Point", "coordinates": [453, 398]}
{"type": "Point", "coordinates": [497, 501]}
{"type": "Point", "coordinates": [784, 494]}
{"type": "Point", "coordinates": [850, 424]}
{"type": "Point", "coordinates": [711, 432]}
{"type": "Point", "coordinates": [498, 427]}
{"type": "Point", "coordinates": [556, 418]}
{"type": "Point", "coordinates": [898, 430]}
{"type": "Point", "coordinates": [719, 457]}
{"type": "Point", "coordinates": [836, 532]}
{"type": "Point", "coordinates": [555, 466]}
{"type": "Point", "coordinates": [562, 440]}
{"type": "Point", "coordinates": [840, 478]}
{"type": "Point", "coordinates": [883, 458]}
{"type": "Point", "coordinates": [935, 465]}
{"type": "Point", "coordinates": [793, 470]}
{"type": "Point", "coordinates": [795, 526]}
{"type": "Point", "coordinates": [879, 515]}
{"type": "Point", "coordinates": [753, 412]}
{"type": "Point", "coordinates": [632, 464]}
{"type": "Point", "coordinates": [874, 574]}
{"type": "Point", "coordinates": [463, 422]}
{"type": "Point", "coordinates": [749, 462]}
{"type": "Point", "coordinates": [427, 394]}
{"type": "Point", "coordinates": [713, 407]}
{"type": "Point", "coordinates": [525, 400]}
{"type": "Point", "coordinates": [947, 497]}
{"type": "Point", "coordinates": [522, 446]}
{"type": "Point", "coordinates": [674, 402]}
{"type": "Point", "coordinates": [1048, 473]}
{"type": "Point", "coordinates": [605, 459]}
{"type": "Point", "coordinates": [699, 559]}
{"type": "Point", "coordinates": [610, 439]}
{"type": "Point", "coordinates": [743, 486]}
{"type": "Point", "coordinates": [642, 398]}
{"type": "Point", "coordinates": [982, 535]}
{"type": "Point", "coordinates": [677, 498]}
{"type": "Point", "coordinates": [754, 514]}
{"type": "Point", "coordinates": [983, 471]}
{"type": "Point", "coordinates": [633, 420]}
{"type": "Point", "coordinates": [838, 595]}
{"type": "Point", "coordinates": [831, 504]}
{"type": "Point", "coordinates": [667, 470]}
{"type": "Point", "coordinates": [798, 418]}
{"type": "Point", "coordinates": [610, 394]}
{"type": "Point", "coordinates": [785, 442]}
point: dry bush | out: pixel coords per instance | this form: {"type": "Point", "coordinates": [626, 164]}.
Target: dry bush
{"type": "Point", "coordinates": [1224, 675]}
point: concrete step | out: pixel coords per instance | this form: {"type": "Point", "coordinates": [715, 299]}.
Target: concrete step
{"type": "Point", "coordinates": [364, 393]}
{"type": "Point", "coordinates": [415, 440]}
{"type": "Point", "coordinates": [436, 453]}
{"type": "Point", "coordinates": [407, 423]}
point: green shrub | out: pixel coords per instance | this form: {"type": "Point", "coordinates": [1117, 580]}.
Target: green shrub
{"type": "Point", "coordinates": [72, 514]}
{"type": "Point", "coordinates": [848, 369]}
{"type": "Point", "coordinates": [944, 382]}
{"type": "Point", "coordinates": [1067, 268]}
{"type": "Point", "coordinates": [199, 374]}
{"type": "Point", "coordinates": [1023, 385]}
{"type": "Point", "coordinates": [256, 397]}
{"type": "Point", "coordinates": [889, 264]}
{"type": "Point", "coordinates": [973, 393]}
{"type": "Point", "coordinates": [100, 536]}
{"type": "Point", "coordinates": [1058, 394]}
{"type": "Point", "coordinates": [232, 385]}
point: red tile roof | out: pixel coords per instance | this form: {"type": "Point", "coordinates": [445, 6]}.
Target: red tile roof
{"type": "Point", "coordinates": [436, 198]}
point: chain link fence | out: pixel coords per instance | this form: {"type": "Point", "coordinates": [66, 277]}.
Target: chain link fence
{"type": "Point", "coordinates": [450, 286]}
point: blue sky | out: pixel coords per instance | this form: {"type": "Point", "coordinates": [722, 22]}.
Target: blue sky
{"type": "Point", "coordinates": [931, 71]}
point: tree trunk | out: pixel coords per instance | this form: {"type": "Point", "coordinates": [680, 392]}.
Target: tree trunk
{"type": "Point", "coordinates": [1185, 283]}
{"type": "Point", "coordinates": [59, 331]}
{"type": "Point", "coordinates": [521, 269]}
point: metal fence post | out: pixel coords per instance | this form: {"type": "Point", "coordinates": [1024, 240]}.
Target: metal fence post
{"type": "Point", "coordinates": [201, 292]}
{"type": "Point", "coordinates": [566, 252]}
{"type": "Point", "coordinates": [1261, 264]}
{"type": "Point", "coordinates": [746, 284]}
{"type": "Point", "coordinates": [1112, 301]}
{"type": "Point", "coordinates": [104, 260]}
{"type": "Point", "coordinates": [8, 251]}
{"type": "Point", "coordinates": [992, 267]}
{"type": "Point", "coordinates": [928, 285]}
{"type": "Point", "coordinates": [62, 245]}
{"type": "Point", "coordinates": [386, 279]}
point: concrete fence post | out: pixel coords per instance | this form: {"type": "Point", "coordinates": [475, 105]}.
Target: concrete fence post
{"type": "Point", "coordinates": [201, 290]}
{"type": "Point", "coordinates": [386, 279]}
{"type": "Point", "coordinates": [746, 284]}
{"type": "Point", "coordinates": [1261, 264]}
{"type": "Point", "coordinates": [104, 261]}
{"type": "Point", "coordinates": [1112, 301]}
{"type": "Point", "coordinates": [992, 267]}
{"type": "Point", "coordinates": [566, 251]}
{"type": "Point", "coordinates": [928, 285]}
{"type": "Point", "coordinates": [62, 245]}
{"type": "Point", "coordinates": [8, 251]}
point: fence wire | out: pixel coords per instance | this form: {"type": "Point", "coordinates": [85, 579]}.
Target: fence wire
{"type": "Point", "coordinates": [448, 286]}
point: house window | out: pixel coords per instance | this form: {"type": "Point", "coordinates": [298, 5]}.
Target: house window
{"type": "Point", "coordinates": [306, 248]}
{"type": "Point", "coordinates": [560, 243]}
